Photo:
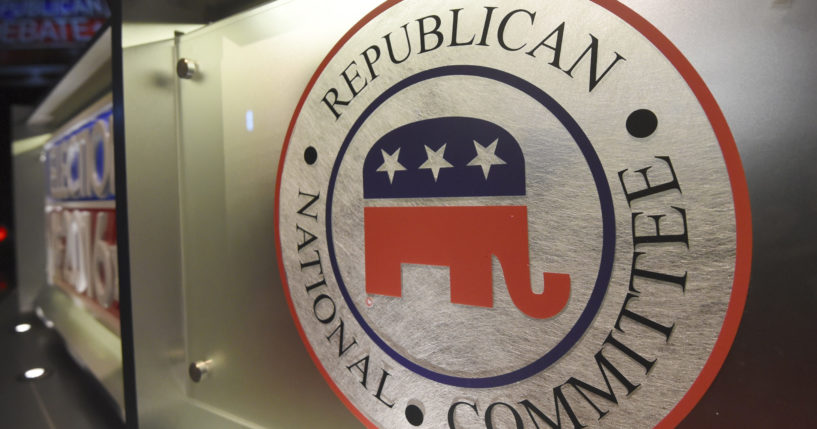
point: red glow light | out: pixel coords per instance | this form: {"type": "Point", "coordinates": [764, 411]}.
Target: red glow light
{"type": "Point", "coordinates": [4, 233]}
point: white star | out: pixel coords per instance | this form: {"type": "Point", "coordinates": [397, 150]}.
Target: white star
{"type": "Point", "coordinates": [435, 161]}
{"type": "Point", "coordinates": [390, 164]}
{"type": "Point", "coordinates": [485, 157]}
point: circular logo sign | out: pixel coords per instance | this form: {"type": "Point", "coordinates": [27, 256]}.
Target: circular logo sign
{"type": "Point", "coordinates": [516, 215]}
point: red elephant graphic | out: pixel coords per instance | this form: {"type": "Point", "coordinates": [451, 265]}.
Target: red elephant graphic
{"type": "Point", "coordinates": [416, 165]}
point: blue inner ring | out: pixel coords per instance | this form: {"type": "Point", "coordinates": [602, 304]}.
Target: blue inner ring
{"type": "Point", "coordinates": [608, 228]}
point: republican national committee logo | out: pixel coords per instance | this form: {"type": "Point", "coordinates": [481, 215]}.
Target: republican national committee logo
{"type": "Point", "coordinates": [523, 215]}
{"type": "Point", "coordinates": [447, 160]}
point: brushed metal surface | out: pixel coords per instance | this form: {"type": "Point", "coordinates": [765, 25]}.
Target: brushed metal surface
{"type": "Point", "coordinates": [444, 337]}
{"type": "Point", "coordinates": [757, 57]}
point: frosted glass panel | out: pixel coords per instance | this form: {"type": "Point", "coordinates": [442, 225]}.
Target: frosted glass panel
{"type": "Point", "coordinates": [234, 113]}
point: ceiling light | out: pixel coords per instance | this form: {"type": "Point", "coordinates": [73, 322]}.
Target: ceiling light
{"type": "Point", "coordinates": [33, 374]}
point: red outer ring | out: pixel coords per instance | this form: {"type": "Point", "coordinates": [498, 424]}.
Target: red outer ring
{"type": "Point", "coordinates": [737, 179]}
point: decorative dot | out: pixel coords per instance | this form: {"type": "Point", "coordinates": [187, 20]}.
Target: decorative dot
{"type": "Point", "coordinates": [310, 155]}
{"type": "Point", "coordinates": [414, 415]}
{"type": "Point", "coordinates": [642, 123]}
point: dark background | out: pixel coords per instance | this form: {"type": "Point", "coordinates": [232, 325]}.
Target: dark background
{"type": "Point", "coordinates": [30, 66]}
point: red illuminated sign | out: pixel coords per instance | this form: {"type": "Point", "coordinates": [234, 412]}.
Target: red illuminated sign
{"type": "Point", "coordinates": [45, 23]}
{"type": "Point", "coordinates": [48, 31]}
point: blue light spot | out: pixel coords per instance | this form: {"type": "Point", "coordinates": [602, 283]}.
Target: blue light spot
{"type": "Point", "coordinates": [249, 120]}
